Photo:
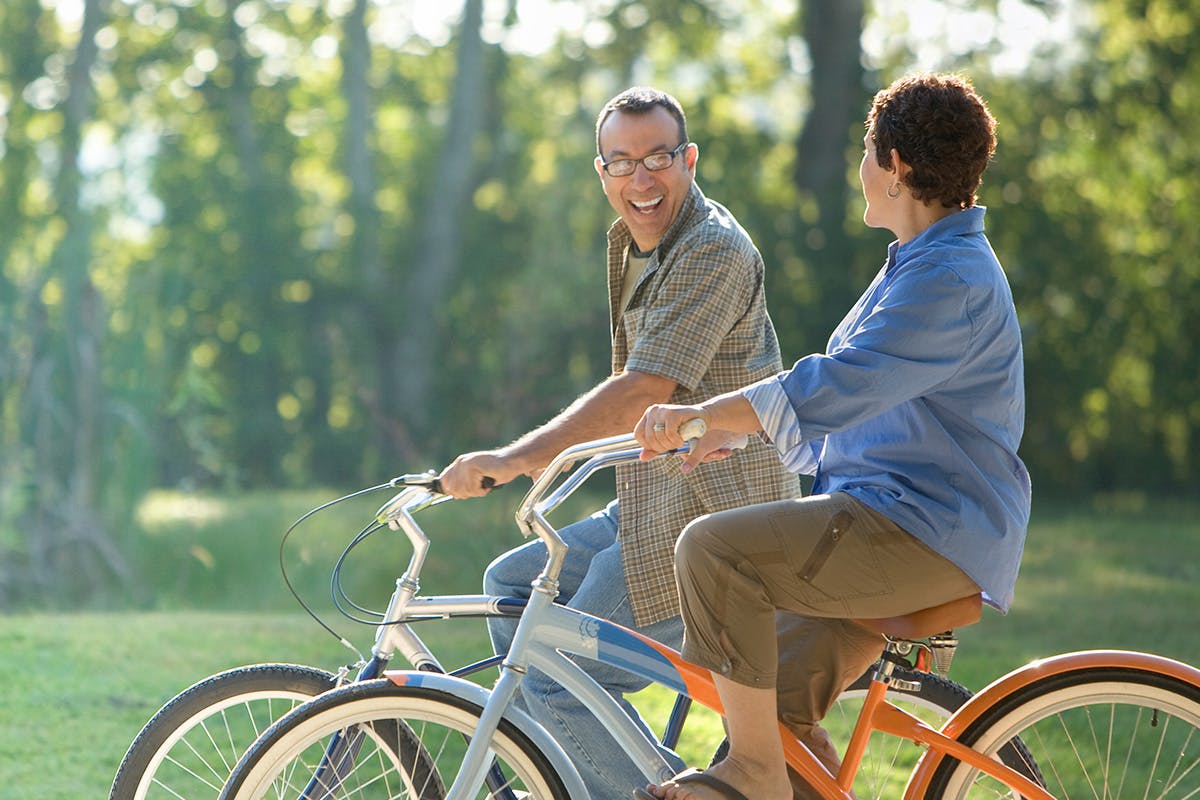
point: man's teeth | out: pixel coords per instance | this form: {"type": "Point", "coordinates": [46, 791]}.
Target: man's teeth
{"type": "Point", "coordinates": [645, 204]}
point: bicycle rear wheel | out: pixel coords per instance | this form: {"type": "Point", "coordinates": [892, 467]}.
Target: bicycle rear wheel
{"type": "Point", "coordinates": [888, 760]}
{"type": "Point", "coordinates": [189, 746]}
{"type": "Point", "coordinates": [1111, 732]}
{"type": "Point", "coordinates": [290, 760]}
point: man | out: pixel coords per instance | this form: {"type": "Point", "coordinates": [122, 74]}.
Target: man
{"type": "Point", "coordinates": [689, 321]}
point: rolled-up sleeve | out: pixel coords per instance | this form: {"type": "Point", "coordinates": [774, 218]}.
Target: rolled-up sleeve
{"type": "Point", "coordinates": [780, 426]}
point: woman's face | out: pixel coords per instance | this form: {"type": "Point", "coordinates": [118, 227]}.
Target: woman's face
{"type": "Point", "coordinates": [875, 182]}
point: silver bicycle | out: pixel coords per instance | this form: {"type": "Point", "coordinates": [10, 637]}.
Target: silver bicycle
{"type": "Point", "coordinates": [425, 734]}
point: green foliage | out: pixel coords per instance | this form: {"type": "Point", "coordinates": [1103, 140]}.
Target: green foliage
{"type": "Point", "coordinates": [1095, 192]}
{"type": "Point", "coordinates": [220, 306]}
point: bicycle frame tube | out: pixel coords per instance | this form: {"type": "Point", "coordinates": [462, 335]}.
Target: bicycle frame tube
{"type": "Point", "coordinates": [556, 631]}
{"type": "Point", "coordinates": [551, 633]}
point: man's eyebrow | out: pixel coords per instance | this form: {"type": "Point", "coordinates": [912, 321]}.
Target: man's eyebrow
{"type": "Point", "coordinates": [661, 148]}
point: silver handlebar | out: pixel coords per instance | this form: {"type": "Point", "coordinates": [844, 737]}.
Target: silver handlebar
{"type": "Point", "coordinates": [542, 498]}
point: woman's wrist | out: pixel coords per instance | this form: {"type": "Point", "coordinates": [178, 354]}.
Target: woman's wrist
{"type": "Point", "coordinates": [730, 412]}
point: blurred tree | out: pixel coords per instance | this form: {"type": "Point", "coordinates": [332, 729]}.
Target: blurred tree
{"type": "Point", "coordinates": [832, 31]}
{"type": "Point", "coordinates": [60, 413]}
{"type": "Point", "coordinates": [22, 314]}
{"type": "Point", "coordinates": [1097, 176]}
{"type": "Point", "coordinates": [254, 243]}
{"type": "Point", "coordinates": [413, 346]}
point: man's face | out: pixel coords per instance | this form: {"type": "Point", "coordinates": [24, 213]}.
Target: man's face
{"type": "Point", "coordinates": [647, 201]}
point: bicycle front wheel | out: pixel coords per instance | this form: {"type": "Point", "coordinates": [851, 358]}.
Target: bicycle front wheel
{"type": "Point", "coordinates": [1107, 732]}
{"type": "Point", "coordinates": [293, 758]}
{"type": "Point", "coordinates": [188, 748]}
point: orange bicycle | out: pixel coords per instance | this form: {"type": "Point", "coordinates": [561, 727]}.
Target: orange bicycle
{"type": "Point", "coordinates": [1101, 725]}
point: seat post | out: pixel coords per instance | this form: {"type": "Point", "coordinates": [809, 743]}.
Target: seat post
{"type": "Point", "coordinates": [895, 651]}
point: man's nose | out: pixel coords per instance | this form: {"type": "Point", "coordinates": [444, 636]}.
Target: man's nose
{"type": "Point", "coordinates": [642, 175]}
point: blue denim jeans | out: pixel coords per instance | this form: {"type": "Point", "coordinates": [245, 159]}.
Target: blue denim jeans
{"type": "Point", "coordinates": [592, 580]}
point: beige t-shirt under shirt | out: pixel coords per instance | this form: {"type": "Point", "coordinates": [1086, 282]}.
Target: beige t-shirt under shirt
{"type": "Point", "coordinates": [635, 265]}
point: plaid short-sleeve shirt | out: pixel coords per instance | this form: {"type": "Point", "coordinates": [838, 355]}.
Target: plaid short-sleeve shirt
{"type": "Point", "coordinates": [699, 317]}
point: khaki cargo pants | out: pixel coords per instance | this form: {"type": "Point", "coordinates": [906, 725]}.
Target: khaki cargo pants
{"type": "Point", "coordinates": [769, 591]}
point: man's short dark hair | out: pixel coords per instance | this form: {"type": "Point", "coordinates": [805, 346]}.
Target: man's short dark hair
{"type": "Point", "coordinates": [642, 100]}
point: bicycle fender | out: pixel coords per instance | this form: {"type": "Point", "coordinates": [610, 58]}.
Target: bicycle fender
{"type": "Point", "coordinates": [477, 695]}
{"type": "Point", "coordinates": [1032, 672]}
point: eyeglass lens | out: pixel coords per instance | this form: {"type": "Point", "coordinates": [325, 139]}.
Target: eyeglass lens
{"type": "Point", "coordinates": [653, 162]}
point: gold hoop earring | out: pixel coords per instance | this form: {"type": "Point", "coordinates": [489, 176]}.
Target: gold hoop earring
{"type": "Point", "coordinates": [895, 186]}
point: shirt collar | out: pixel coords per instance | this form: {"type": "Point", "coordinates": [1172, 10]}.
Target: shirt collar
{"type": "Point", "coordinates": [969, 220]}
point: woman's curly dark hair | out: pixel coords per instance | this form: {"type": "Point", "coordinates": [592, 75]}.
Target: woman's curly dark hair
{"type": "Point", "coordinates": [942, 129]}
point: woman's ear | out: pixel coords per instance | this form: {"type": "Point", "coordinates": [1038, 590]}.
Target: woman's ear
{"type": "Point", "coordinates": [897, 165]}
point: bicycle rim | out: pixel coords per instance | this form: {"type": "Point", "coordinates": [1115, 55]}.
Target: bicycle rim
{"type": "Point", "coordinates": [291, 760]}
{"type": "Point", "coordinates": [1105, 733]}
{"type": "Point", "coordinates": [189, 747]}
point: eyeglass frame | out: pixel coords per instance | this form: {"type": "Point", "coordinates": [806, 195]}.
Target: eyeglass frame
{"type": "Point", "coordinates": [673, 154]}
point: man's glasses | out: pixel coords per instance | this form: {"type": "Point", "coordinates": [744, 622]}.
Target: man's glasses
{"type": "Point", "coordinates": [624, 167]}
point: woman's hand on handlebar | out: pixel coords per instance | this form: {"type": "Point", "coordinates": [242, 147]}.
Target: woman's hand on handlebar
{"type": "Point", "coordinates": [662, 428]}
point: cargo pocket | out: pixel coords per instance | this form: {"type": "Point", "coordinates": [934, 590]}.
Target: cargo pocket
{"type": "Point", "coordinates": [838, 527]}
{"type": "Point", "coordinates": [842, 564]}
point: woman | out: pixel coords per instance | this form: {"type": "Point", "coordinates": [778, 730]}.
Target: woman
{"type": "Point", "coordinates": [910, 423]}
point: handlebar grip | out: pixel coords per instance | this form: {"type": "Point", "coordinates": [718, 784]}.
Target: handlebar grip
{"type": "Point", "coordinates": [488, 482]}
{"type": "Point", "coordinates": [693, 429]}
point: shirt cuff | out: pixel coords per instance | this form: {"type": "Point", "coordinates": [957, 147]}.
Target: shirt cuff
{"type": "Point", "coordinates": [777, 417]}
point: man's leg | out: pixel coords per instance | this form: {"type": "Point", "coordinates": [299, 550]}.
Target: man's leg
{"type": "Point", "coordinates": [606, 770]}
{"type": "Point", "coordinates": [511, 573]}
{"type": "Point", "coordinates": [592, 580]}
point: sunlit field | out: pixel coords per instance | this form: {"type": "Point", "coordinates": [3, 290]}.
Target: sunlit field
{"type": "Point", "coordinates": [1110, 575]}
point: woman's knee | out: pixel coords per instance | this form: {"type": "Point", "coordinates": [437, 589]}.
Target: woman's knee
{"type": "Point", "coordinates": [701, 546]}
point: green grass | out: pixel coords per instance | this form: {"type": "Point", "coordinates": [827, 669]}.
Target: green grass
{"type": "Point", "coordinates": [1108, 575]}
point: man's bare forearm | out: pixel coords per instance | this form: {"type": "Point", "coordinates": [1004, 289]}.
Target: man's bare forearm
{"type": "Point", "coordinates": [610, 409]}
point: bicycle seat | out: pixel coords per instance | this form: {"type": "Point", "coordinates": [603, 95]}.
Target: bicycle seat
{"type": "Point", "coordinates": [928, 621]}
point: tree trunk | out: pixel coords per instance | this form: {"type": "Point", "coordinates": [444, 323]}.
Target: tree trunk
{"type": "Point", "coordinates": [832, 31]}
{"type": "Point", "coordinates": [25, 52]}
{"type": "Point", "coordinates": [434, 264]}
{"type": "Point", "coordinates": [72, 551]}
{"type": "Point", "coordinates": [365, 248]}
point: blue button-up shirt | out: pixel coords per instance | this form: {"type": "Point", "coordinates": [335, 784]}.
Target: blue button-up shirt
{"type": "Point", "coordinates": [918, 404]}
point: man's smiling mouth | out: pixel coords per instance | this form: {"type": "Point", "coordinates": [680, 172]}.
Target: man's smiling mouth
{"type": "Point", "coordinates": [646, 206]}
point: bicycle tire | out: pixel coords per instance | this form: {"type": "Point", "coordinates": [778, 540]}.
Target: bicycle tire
{"type": "Point", "coordinates": [286, 756]}
{"type": "Point", "coordinates": [189, 746]}
{"type": "Point", "coordinates": [888, 761]}
{"type": "Point", "coordinates": [1111, 732]}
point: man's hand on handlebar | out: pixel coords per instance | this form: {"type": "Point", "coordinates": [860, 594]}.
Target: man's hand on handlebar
{"type": "Point", "coordinates": [476, 474]}
{"type": "Point", "coordinates": [663, 428]}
